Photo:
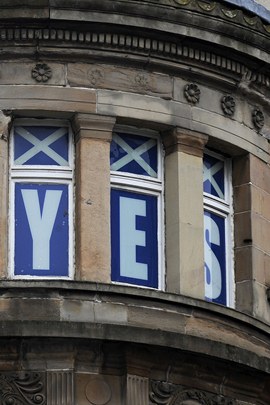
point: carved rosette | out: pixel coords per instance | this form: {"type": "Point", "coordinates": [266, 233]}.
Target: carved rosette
{"type": "Point", "coordinates": [22, 389]}
{"type": "Point", "coordinates": [258, 118]}
{"type": "Point", "coordinates": [95, 76]}
{"type": "Point", "coordinates": [192, 93]}
{"type": "Point", "coordinates": [141, 80]}
{"type": "Point", "coordinates": [164, 393]}
{"type": "Point", "coordinates": [228, 105]}
{"type": "Point", "coordinates": [41, 72]}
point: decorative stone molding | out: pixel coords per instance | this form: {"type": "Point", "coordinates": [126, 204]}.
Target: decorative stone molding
{"type": "Point", "coordinates": [93, 126]}
{"type": "Point", "coordinates": [41, 72]}
{"type": "Point", "coordinates": [258, 118]}
{"type": "Point", "coordinates": [171, 50]}
{"type": "Point", "coordinates": [22, 388]}
{"type": "Point", "coordinates": [164, 393]}
{"type": "Point", "coordinates": [213, 8]}
{"type": "Point", "coordinates": [228, 105]}
{"type": "Point", "coordinates": [228, 12]}
{"type": "Point", "coordinates": [180, 140]}
{"type": "Point", "coordinates": [192, 93]}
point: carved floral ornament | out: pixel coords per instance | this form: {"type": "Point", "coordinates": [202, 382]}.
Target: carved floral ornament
{"type": "Point", "coordinates": [41, 72]}
{"type": "Point", "coordinates": [215, 7]}
{"type": "Point", "coordinates": [228, 105]}
{"type": "Point", "coordinates": [95, 76]}
{"type": "Point", "coordinates": [164, 393]}
{"type": "Point", "coordinates": [192, 93]}
{"type": "Point", "coordinates": [141, 80]}
{"type": "Point", "coordinates": [258, 118]}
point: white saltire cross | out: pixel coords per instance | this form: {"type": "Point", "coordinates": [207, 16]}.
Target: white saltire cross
{"type": "Point", "coordinates": [134, 154]}
{"type": "Point", "coordinates": [41, 146]}
{"type": "Point", "coordinates": [208, 174]}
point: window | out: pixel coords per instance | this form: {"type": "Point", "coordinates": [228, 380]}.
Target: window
{"type": "Point", "coordinates": [217, 225]}
{"type": "Point", "coordinates": [41, 198]}
{"type": "Point", "coordinates": [136, 208]}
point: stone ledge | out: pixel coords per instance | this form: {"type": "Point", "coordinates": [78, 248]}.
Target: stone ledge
{"type": "Point", "coordinates": [119, 333]}
{"type": "Point", "coordinates": [13, 288]}
{"type": "Point", "coordinates": [121, 313]}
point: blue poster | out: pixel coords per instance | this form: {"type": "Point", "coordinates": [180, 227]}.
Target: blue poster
{"type": "Point", "coordinates": [41, 145]}
{"type": "Point", "coordinates": [134, 154]}
{"type": "Point", "coordinates": [213, 177]}
{"type": "Point", "coordinates": [41, 230]}
{"type": "Point", "coordinates": [215, 258]}
{"type": "Point", "coordinates": [134, 238]}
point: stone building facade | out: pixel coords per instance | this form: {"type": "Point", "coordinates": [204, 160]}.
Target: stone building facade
{"type": "Point", "coordinates": [151, 287]}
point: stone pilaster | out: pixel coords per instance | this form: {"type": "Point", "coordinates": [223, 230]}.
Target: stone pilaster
{"type": "Point", "coordinates": [184, 211]}
{"type": "Point", "coordinates": [93, 134]}
{"type": "Point", "coordinates": [251, 187]}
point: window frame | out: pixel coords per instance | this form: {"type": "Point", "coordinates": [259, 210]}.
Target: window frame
{"type": "Point", "coordinates": [224, 209]}
{"type": "Point", "coordinates": [145, 185]}
{"type": "Point", "coordinates": [42, 174]}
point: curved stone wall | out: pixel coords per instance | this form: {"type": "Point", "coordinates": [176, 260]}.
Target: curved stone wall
{"type": "Point", "coordinates": [196, 75]}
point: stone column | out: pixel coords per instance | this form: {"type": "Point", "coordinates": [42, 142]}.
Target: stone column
{"type": "Point", "coordinates": [251, 187]}
{"type": "Point", "coordinates": [93, 134]}
{"type": "Point", "coordinates": [184, 212]}
{"type": "Point", "coordinates": [4, 131]}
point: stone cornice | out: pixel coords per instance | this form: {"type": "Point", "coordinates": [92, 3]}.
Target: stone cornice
{"type": "Point", "coordinates": [59, 42]}
{"type": "Point", "coordinates": [228, 12]}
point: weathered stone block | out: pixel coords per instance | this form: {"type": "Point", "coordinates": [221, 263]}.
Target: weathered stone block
{"type": "Point", "coordinates": [21, 73]}
{"type": "Point", "coordinates": [119, 78]}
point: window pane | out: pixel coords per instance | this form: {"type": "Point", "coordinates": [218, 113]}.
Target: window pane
{"type": "Point", "coordinates": [134, 238]}
{"type": "Point", "coordinates": [41, 145]}
{"type": "Point", "coordinates": [213, 176]}
{"type": "Point", "coordinates": [215, 258]}
{"type": "Point", "coordinates": [134, 154]}
{"type": "Point", "coordinates": [41, 229]}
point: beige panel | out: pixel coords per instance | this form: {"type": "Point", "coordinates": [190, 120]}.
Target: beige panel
{"type": "Point", "coordinates": [191, 226]}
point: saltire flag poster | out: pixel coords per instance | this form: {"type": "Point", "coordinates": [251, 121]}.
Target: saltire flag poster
{"type": "Point", "coordinates": [134, 214]}
{"type": "Point", "coordinates": [41, 207]}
